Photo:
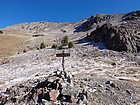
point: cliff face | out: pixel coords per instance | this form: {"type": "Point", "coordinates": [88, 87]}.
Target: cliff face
{"type": "Point", "coordinates": [122, 37]}
{"type": "Point", "coordinates": [117, 38]}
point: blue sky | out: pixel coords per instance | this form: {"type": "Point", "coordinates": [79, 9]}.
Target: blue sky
{"type": "Point", "coordinates": [18, 11]}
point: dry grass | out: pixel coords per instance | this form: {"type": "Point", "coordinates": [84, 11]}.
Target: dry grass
{"type": "Point", "coordinates": [108, 61]}
{"type": "Point", "coordinates": [133, 70]}
{"type": "Point", "coordinates": [107, 67]}
{"type": "Point", "coordinates": [2, 82]}
{"type": "Point", "coordinates": [12, 42]}
{"type": "Point", "coordinates": [92, 103]}
{"type": "Point", "coordinates": [9, 44]}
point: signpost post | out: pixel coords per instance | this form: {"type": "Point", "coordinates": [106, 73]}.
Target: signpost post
{"type": "Point", "coordinates": [63, 54]}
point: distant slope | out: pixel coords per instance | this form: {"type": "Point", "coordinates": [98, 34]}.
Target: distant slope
{"type": "Point", "coordinates": [45, 28]}
{"type": "Point", "coordinates": [38, 32]}
{"type": "Point", "coordinates": [51, 32]}
{"type": "Point", "coordinates": [72, 29]}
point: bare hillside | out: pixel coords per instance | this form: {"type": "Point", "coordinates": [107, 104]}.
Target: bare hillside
{"type": "Point", "coordinates": [10, 43]}
{"type": "Point", "coordinates": [103, 67]}
{"type": "Point", "coordinates": [36, 33]}
{"type": "Point", "coordinates": [98, 72]}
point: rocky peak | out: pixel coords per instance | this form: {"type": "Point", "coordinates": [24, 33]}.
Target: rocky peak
{"type": "Point", "coordinates": [98, 20]}
{"type": "Point", "coordinates": [132, 16]}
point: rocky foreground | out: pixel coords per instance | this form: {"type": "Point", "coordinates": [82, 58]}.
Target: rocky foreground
{"type": "Point", "coordinates": [91, 77]}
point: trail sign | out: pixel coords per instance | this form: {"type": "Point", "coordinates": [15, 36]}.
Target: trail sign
{"type": "Point", "coordinates": [63, 54]}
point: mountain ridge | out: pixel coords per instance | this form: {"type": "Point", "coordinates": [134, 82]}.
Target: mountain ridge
{"type": "Point", "coordinates": [53, 31]}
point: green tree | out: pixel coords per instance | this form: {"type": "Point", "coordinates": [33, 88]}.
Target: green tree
{"type": "Point", "coordinates": [54, 46]}
{"type": "Point", "coordinates": [71, 45]}
{"type": "Point", "coordinates": [60, 47]}
{"type": "Point", "coordinates": [1, 32]}
{"type": "Point", "coordinates": [42, 45]}
{"type": "Point", "coordinates": [24, 51]}
{"type": "Point", "coordinates": [65, 41]}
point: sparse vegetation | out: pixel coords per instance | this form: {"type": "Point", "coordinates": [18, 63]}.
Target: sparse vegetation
{"type": "Point", "coordinates": [54, 46]}
{"type": "Point", "coordinates": [42, 45]}
{"type": "Point", "coordinates": [64, 44]}
{"type": "Point", "coordinates": [1, 32]}
{"type": "Point", "coordinates": [70, 45]}
{"type": "Point", "coordinates": [2, 82]}
{"type": "Point", "coordinates": [60, 47]}
{"type": "Point", "coordinates": [9, 43]}
{"type": "Point", "coordinates": [24, 51]}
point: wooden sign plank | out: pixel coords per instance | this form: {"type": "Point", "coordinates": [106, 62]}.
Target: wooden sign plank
{"type": "Point", "coordinates": [63, 55]}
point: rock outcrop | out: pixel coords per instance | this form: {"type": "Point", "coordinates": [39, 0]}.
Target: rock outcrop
{"type": "Point", "coordinates": [98, 20]}
{"type": "Point", "coordinates": [119, 38]}
{"type": "Point", "coordinates": [120, 32]}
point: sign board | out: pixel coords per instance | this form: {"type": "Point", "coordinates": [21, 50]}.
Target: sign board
{"type": "Point", "coordinates": [63, 55]}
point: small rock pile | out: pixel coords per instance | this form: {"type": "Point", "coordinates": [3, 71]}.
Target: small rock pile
{"type": "Point", "coordinates": [56, 89]}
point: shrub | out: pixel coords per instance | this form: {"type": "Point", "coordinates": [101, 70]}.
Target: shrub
{"type": "Point", "coordinates": [65, 41]}
{"type": "Point", "coordinates": [24, 51]}
{"type": "Point", "coordinates": [71, 45]}
{"type": "Point", "coordinates": [54, 46]}
{"type": "Point", "coordinates": [1, 32]}
{"type": "Point", "coordinates": [42, 45]}
{"type": "Point", "coordinates": [60, 47]}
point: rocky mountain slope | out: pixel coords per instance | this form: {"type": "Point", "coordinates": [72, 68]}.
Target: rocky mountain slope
{"type": "Point", "coordinates": [122, 35]}
{"type": "Point", "coordinates": [118, 32]}
{"type": "Point", "coordinates": [92, 76]}
{"type": "Point", "coordinates": [95, 74]}
{"type": "Point", "coordinates": [36, 33]}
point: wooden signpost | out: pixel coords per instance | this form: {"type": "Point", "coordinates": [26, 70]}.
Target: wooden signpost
{"type": "Point", "coordinates": [63, 54]}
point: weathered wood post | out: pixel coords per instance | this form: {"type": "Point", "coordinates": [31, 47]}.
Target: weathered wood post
{"type": "Point", "coordinates": [63, 60]}
{"type": "Point", "coordinates": [63, 54]}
